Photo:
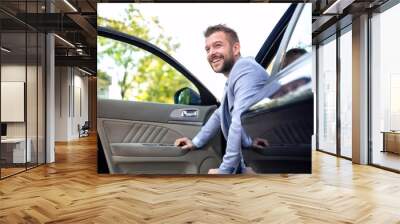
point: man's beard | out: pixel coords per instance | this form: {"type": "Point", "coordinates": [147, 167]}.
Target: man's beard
{"type": "Point", "coordinates": [226, 66]}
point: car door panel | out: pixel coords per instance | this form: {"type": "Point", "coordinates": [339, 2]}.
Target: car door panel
{"type": "Point", "coordinates": [287, 125]}
{"type": "Point", "coordinates": [286, 121]}
{"type": "Point", "coordinates": [288, 131]}
{"type": "Point", "coordinates": [137, 138]}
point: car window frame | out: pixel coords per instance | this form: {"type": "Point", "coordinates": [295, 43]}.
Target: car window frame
{"type": "Point", "coordinates": [207, 98]}
{"type": "Point", "coordinates": [281, 53]}
{"type": "Point", "coordinates": [270, 48]}
{"type": "Point", "coordinates": [271, 45]}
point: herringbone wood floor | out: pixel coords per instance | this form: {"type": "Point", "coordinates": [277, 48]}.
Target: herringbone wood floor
{"type": "Point", "coordinates": [70, 191]}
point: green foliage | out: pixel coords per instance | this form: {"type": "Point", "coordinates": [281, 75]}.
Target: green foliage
{"type": "Point", "coordinates": [103, 82]}
{"type": "Point", "coordinates": [145, 77]}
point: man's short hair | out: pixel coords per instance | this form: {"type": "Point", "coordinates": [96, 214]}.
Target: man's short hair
{"type": "Point", "coordinates": [222, 28]}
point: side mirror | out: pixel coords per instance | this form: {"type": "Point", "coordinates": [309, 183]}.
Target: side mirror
{"type": "Point", "coordinates": [187, 96]}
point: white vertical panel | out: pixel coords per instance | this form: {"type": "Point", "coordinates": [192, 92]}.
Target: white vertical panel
{"type": "Point", "coordinates": [360, 90]}
{"type": "Point", "coordinates": [12, 101]}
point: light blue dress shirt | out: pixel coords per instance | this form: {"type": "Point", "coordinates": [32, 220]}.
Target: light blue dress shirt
{"type": "Point", "coordinates": [245, 81]}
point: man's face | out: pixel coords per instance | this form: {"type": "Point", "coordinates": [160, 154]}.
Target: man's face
{"type": "Point", "coordinates": [221, 53]}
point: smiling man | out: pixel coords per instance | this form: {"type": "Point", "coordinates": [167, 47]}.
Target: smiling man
{"type": "Point", "coordinates": [246, 78]}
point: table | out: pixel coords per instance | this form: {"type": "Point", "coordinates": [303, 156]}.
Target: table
{"type": "Point", "coordinates": [391, 141]}
{"type": "Point", "coordinates": [15, 148]}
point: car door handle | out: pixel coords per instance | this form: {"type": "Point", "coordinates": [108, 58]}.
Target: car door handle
{"type": "Point", "coordinates": [189, 113]}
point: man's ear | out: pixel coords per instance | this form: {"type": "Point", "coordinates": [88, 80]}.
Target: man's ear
{"type": "Point", "coordinates": [236, 49]}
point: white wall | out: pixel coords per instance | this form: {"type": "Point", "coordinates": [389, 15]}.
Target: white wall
{"type": "Point", "coordinates": [79, 103]}
{"type": "Point", "coordinates": [62, 81]}
{"type": "Point", "coordinates": [70, 83]}
{"type": "Point", "coordinates": [12, 73]}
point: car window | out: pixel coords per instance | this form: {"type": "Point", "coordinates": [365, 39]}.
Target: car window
{"type": "Point", "coordinates": [126, 72]}
{"type": "Point", "coordinates": [300, 41]}
{"type": "Point", "coordinates": [296, 80]}
{"type": "Point", "coordinates": [269, 68]}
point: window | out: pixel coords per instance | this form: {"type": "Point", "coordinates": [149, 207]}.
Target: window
{"type": "Point", "coordinates": [22, 88]}
{"type": "Point", "coordinates": [327, 96]}
{"type": "Point", "coordinates": [130, 73]}
{"type": "Point", "coordinates": [346, 94]}
{"type": "Point", "coordinates": [385, 88]}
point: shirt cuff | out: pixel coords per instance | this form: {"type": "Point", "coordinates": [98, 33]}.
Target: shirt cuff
{"type": "Point", "coordinates": [196, 142]}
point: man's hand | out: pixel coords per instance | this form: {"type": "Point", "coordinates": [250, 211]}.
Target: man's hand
{"type": "Point", "coordinates": [213, 171]}
{"type": "Point", "coordinates": [260, 143]}
{"type": "Point", "coordinates": [184, 143]}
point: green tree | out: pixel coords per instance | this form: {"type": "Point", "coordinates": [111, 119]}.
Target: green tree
{"type": "Point", "coordinates": [103, 82]}
{"type": "Point", "coordinates": [145, 76]}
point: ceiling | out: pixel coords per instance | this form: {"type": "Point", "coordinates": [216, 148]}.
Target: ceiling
{"type": "Point", "coordinates": [75, 22]}
{"type": "Point", "coordinates": [72, 20]}
{"type": "Point", "coordinates": [331, 15]}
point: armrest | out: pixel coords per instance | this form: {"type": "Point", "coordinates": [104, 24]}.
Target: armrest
{"type": "Point", "coordinates": [146, 150]}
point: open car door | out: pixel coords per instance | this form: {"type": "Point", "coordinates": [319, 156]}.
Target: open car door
{"type": "Point", "coordinates": [137, 137]}
{"type": "Point", "coordinates": [284, 118]}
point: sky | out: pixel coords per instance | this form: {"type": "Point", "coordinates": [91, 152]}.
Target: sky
{"type": "Point", "coordinates": [186, 22]}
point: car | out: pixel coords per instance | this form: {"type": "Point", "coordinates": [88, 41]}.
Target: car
{"type": "Point", "coordinates": [137, 137]}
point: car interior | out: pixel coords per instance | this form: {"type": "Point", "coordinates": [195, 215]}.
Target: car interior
{"type": "Point", "coordinates": [137, 137]}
